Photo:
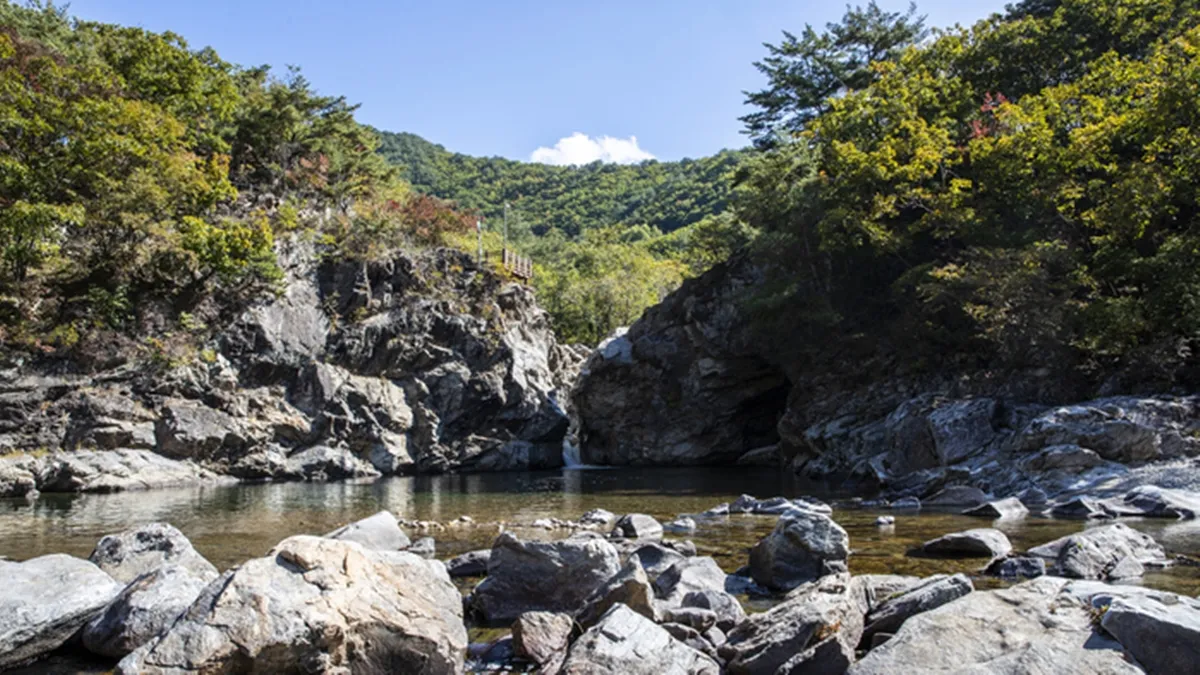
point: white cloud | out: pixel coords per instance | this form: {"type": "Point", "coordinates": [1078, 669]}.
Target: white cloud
{"type": "Point", "coordinates": [579, 148]}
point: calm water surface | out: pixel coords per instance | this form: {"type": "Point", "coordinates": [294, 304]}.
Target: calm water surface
{"type": "Point", "coordinates": [231, 524]}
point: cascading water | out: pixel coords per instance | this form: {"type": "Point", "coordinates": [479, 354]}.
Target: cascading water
{"type": "Point", "coordinates": [571, 455]}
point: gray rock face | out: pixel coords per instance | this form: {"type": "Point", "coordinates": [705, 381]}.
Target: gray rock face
{"type": "Point", "coordinates": [726, 608]}
{"type": "Point", "coordinates": [381, 532]}
{"type": "Point", "coordinates": [978, 543]}
{"type": "Point", "coordinates": [804, 546]}
{"type": "Point", "coordinates": [824, 610]}
{"type": "Point", "coordinates": [192, 430]}
{"type": "Point", "coordinates": [118, 471]}
{"type": "Point", "coordinates": [687, 576]}
{"type": "Point", "coordinates": [656, 558]}
{"type": "Point", "coordinates": [17, 477]}
{"type": "Point", "coordinates": [45, 601]}
{"type": "Point", "coordinates": [334, 606]}
{"type": "Point", "coordinates": [133, 553]}
{"type": "Point", "coordinates": [929, 594]}
{"type": "Point", "coordinates": [1113, 551]}
{"type": "Point", "coordinates": [637, 526]}
{"type": "Point", "coordinates": [543, 637]}
{"type": "Point", "coordinates": [1003, 508]}
{"type": "Point", "coordinates": [1017, 567]}
{"type": "Point", "coordinates": [1030, 628]}
{"type": "Point", "coordinates": [626, 642]}
{"type": "Point", "coordinates": [145, 609]}
{"type": "Point", "coordinates": [1152, 501]}
{"type": "Point", "coordinates": [525, 576]}
{"type": "Point", "coordinates": [469, 564]}
{"type": "Point", "coordinates": [629, 587]}
{"type": "Point", "coordinates": [322, 463]}
{"type": "Point", "coordinates": [1164, 638]}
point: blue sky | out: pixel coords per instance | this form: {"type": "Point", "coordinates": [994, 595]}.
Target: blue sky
{"type": "Point", "coordinates": [509, 77]}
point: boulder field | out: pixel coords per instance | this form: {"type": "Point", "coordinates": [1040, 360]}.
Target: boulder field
{"type": "Point", "coordinates": [358, 600]}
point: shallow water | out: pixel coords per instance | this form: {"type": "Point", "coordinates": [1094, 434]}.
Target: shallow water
{"type": "Point", "coordinates": [233, 523]}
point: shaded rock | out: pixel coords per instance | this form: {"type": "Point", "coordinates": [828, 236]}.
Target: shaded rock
{"type": "Point", "coordinates": [1029, 628]}
{"type": "Point", "coordinates": [542, 576]}
{"type": "Point", "coordinates": [45, 601]}
{"type": "Point", "coordinates": [145, 609]}
{"type": "Point", "coordinates": [827, 656]}
{"type": "Point", "coordinates": [726, 608]}
{"type": "Point", "coordinates": [637, 526]}
{"type": "Point", "coordinates": [1080, 507]}
{"type": "Point", "coordinates": [118, 471]}
{"type": "Point", "coordinates": [322, 463]}
{"type": "Point", "coordinates": [825, 609]}
{"type": "Point", "coordinates": [1107, 552]}
{"type": "Point", "coordinates": [803, 547]}
{"type": "Point", "coordinates": [1010, 507]}
{"type": "Point", "coordinates": [686, 576]}
{"type": "Point", "coordinates": [132, 553]}
{"type": "Point", "coordinates": [192, 430]}
{"type": "Point", "coordinates": [961, 429]}
{"type": "Point", "coordinates": [381, 532]}
{"type": "Point", "coordinates": [424, 547]}
{"type": "Point", "coordinates": [1066, 457]}
{"type": "Point", "coordinates": [656, 559]}
{"type": "Point", "coordinates": [469, 564]}
{"type": "Point", "coordinates": [629, 587]}
{"type": "Point", "coordinates": [1016, 567]}
{"type": "Point", "coordinates": [977, 543]}
{"type": "Point", "coordinates": [1122, 429]}
{"type": "Point", "coordinates": [929, 594]}
{"type": "Point", "coordinates": [765, 456]}
{"type": "Point", "coordinates": [958, 495]}
{"type": "Point", "coordinates": [875, 589]}
{"type": "Point", "coordinates": [334, 606]}
{"type": "Point", "coordinates": [542, 637]}
{"type": "Point", "coordinates": [693, 617]}
{"type": "Point", "coordinates": [692, 638]}
{"type": "Point", "coordinates": [624, 641]}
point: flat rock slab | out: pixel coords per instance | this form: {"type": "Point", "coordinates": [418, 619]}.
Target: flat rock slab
{"type": "Point", "coordinates": [119, 471]}
{"type": "Point", "coordinates": [626, 642]}
{"type": "Point", "coordinates": [977, 543]}
{"type": "Point", "coordinates": [45, 601]}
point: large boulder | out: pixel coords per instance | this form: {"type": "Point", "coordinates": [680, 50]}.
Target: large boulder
{"type": "Point", "coordinates": [819, 625]}
{"type": "Point", "coordinates": [1151, 501]}
{"type": "Point", "coordinates": [1122, 429]}
{"type": "Point", "coordinates": [469, 564]}
{"type": "Point", "coordinates": [630, 587]}
{"type": "Point", "coordinates": [191, 430]}
{"type": "Point", "coordinates": [558, 576]}
{"type": "Point", "coordinates": [1161, 631]}
{"type": "Point", "coordinates": [132, 553]}
{"type": "Point", "coordinates": [119, 470]}
{"type": "Point", "coordinates": [699, 573]}
{"type": "Point", "coordinates": [1114, 551]}
{"type": "Point", "coordinates": [543, 637]}
{"type": "Point", "coordinates": [145, 609]}
{"type": "Point", "coordinates": [626, 642]}
{"type": "Point", "coordinates": [381, 532]}
{"type": "Point", "coordinates": [317, 605]}
{"type": "Point", "coordinates": [804, 546]}
{"type": "Point", "coordinates": [1030, 628]}
{"type": "Point", "coordinates": [977, 543]}
{"type": "Point", "coordinates": [45, 601]}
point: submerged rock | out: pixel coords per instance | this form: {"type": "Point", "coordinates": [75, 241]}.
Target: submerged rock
{"type": "Point", "coordinates": [526, 576]}
{"type": "Point", "coordinates": [45, 601]}
{"type": "Point", "coordinates": [804, 546]}
{"type": "Point", "coordinates": [978, 543]}
{"type": "Point", "coordinates": [626, 642]}
{"type": "Point", "coordinates": [133, 553]}
{"type": "Point", "coordinates": [333, 605]}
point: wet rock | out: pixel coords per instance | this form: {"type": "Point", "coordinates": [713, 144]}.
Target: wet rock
{"type": "Point", "coordinates": [132, 553]}
{"type": "Point", "coordinates": [555, 576]}
{"type": "Point", "coordinates": [381, 532]}
{"type": "Point", "coordinates": [424, 547]}
{"type": "Point", "coordinates": [796, 628]}
{"type": "Point", "coordinates": [118, 471]}
{"type": "Point", "coordinates": [1008, 508]}
{"type": "Point", "coordinates": [1029, 628]}
{"type": "Point", "coordinates": [978, 543]}
{"type": "Point", "coordinates": [930, 594]}
{"type": "Point", "coordinates": [45, 601]}
{"type": "Point", "coordinates": [685, 548]}
{"type": "Point", "coordinates": [543, 637]}
{"type": "Point", "coordinates": [145, 609]}
{"type": "Point", "coordinates": [802, 547]}
{"type": "Point", "coordinates": [683, 525]}
{"type": "Point", "coordinates": [626, 642]}
{"type": "Point", "coordinates": [1016, 567]}
{"type": "Point", "coordinates": [637, 526]}
{"type": "Point", "coordinates": [1113, 551]}
{"type": "Point", "coordinates": [686, 576]}
{"type": "Point", "coordinates": [629, 587]}
{"type": "Point", "coordinates": [1161, 631]}
{"type": "Point", "coordinates": [469, 564]}
{"type": "Point", "coordinates": [597, 517]}
{"type": "Point", "coordinates": [323, 463]}
{"type": "Point", "coordinates": [334, 606]}
{"type": "Point", "coordinates": [1066, 457]}
{"type": "Point", "coordinates": [726, 608]}
{"type": "Point", "coordinates": [958, 495]}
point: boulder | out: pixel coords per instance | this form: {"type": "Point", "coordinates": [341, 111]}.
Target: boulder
{"type": "Point", "coordinates": [317, 605]}
{"type": "Point", "coordinates": [637, 526]}
{"type": "Point", "coordinates": [1151, 501]}
{"type": "Point", "coordinates": [1066, 457]}
{"type": "Point", "coordinates": [1029, 628]}
{"type": "Point", "coordinates": [424, 547]}
{"type": "Point", "coordinates": [1122, 429]}
{"type": "Point", "coordinates": [977, 543]}
{"type": "Point", "coordinates": [45, 601]}
{"type": "Point", "coordinates": [118, 471]}
{"type": "Point", "coordinates": [726, 608]}
{"type": "Point", "coordinates": [597, 517]}
{"type": "Point", "coordinates": [133, 553]}
{"type": "Point", "coordinates": [958, 495]}
{"type": "Point", "coordinates": [961, 429]}
{"type": "Point", "coordinates": [381, 532]}
{"type": "Point", "coordinates": [1161, 631]}
{"type": "Point", "coordinates": [543, 637]}
{"type": "Point", "coordinates": [1113, 551]}
{"type": "Point", "coordinates": [656, 558]}
{"type": "Point", "coordinates": [626, 642]}
{"type": "Point", "coordinates": [629, 587]}
{"type": "Point", "coordinates": [695, 618]}
{"type": "Point", "coordinates": [17, 477]}
{"type": "Point", "coordinates": [1016, 567]}
{"type": "Point", "coordinates": [1080, 507]}
{"type": "Point", "coordinates": [875, 589]}
{"type": "Point", "coordinates": [686, 576]}
{"type": "Point", "coordinates": [804, 546]}
{"type": "Point", "coordinates": [145, 609]}
{"type": "Point", "coordinates": [1010, 507]}
{"type": "Point", "coordinates": [322, 463]}
{"type": "Point", "coordinates": [557, 576]}
{"type": "Point", "coordinates": [929, 594]}
{"type": "Point", "coordinates": [469, 564]}
{"type": "Point", "coordinates": [824, 610]}
{"type": "Point", "coordinates": [682, 525]}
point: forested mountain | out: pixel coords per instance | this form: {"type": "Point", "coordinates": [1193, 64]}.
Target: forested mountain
{"type": "Point", "coordinates": [664, 195]}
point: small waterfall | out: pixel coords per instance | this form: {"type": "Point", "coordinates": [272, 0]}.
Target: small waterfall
{"type": "Point", "coordinates": [571, 457]}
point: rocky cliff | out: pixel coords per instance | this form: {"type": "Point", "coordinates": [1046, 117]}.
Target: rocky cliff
{"type": "Point", "coordinates": [693, 383]}
{"type": "Point", "coordinates": [417, 363]}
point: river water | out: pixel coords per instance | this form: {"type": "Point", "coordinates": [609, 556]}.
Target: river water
{"type": "Point", "coordinates": [230, 524]}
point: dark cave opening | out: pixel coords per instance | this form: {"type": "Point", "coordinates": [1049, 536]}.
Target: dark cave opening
{"type": "Point", "coordinates": [759, 415]}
